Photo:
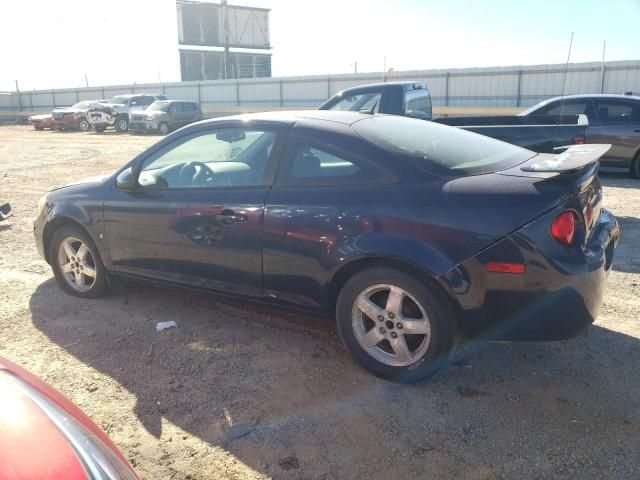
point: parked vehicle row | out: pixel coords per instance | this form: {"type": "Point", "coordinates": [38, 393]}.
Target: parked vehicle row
{"type": "Point", "coordinates": [546, 127]}
{"type": "Point", "coordinates": [141, 112]}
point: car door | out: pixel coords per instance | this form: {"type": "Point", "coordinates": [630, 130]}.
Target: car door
{"type": "Point", "coordinates": [617, 123]}
{"type": "Point", "coordinates": [195, 214]}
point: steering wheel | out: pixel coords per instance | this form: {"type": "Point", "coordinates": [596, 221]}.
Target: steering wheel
{"type": "Point", "coordinates": [199, 174]}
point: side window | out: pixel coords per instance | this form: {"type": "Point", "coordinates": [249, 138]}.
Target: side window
{"type": "Point", "coordinates": [176, 107]}
{"type": "Point", "coordinates": [611, 112]}
{"type": "Point", "coordinates": [230, 157]}
{"type": "Point", "coordinates": [189, 107]}
{"type": "Point", "coordinates": [356, 103]}
{"type": "Point", "coordinates": [420, 102]}
{"type": "Point", "coordinates": [567, 107]}
{"type": "Point", "coordinates": [310, 164]}
{"type": "Point", "coordinates": [145, 101]}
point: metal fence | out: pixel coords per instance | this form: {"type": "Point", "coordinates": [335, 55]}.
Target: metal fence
{"type": "Point", "coordinates": [497, 87]}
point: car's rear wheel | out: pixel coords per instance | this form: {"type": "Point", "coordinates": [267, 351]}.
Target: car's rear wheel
{"type": "Point", "coordinates": [84, 125]}
{"type": "Point", "coordinates": [163, 128]}
{"type": "Point", "coordinates": [395, 325]}
{"type": "Point", "coordinates": [39, 128]}
{"type": "Point", "coordinates": [122, 124]}
{"type": "Point", "coordinates": [76, 263]}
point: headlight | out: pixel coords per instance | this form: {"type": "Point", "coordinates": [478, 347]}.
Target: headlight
{"type": "Point", "coordinates": [97, 458]}
{"type": "Point", "coordinates": [150, 117]}
{"type": "Point", "coordinates": [42, 203]}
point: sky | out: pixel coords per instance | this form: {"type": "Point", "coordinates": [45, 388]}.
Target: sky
{"type": "Point", "coordinates": [54, 44]}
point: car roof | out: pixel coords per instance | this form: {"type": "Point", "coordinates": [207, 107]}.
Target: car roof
{"type": "Point", "coordinates": [292, 116]}
{"type": "Point", "coordinates": [612, 96]}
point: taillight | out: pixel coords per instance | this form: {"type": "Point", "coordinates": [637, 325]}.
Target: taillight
{"type": "Point", "coordinates": [578, 140]}
{"type": "Point", "coordinates": [563, 228]}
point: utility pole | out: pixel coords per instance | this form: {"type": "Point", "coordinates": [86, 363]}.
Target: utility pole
{"type": "Point", "coordinates": [86, 80]}
{"type": "Point", "coordinates": [225, 26]}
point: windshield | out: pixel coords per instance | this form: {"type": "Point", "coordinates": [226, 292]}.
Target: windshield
{"type": "Point", "coordinates": [440, 149]}
{"type": "Point", "coordinates": [120, 99]}
{"type": "Point", "coordinates": [159, 106]}
{"type": "Point", "coordinates": [82, 105]}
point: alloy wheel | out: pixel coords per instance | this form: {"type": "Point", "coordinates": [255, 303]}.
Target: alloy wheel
{"type": "Point", "coordinates": [391, 325]}
{"type": "Point", "coordinates": [77, 264]}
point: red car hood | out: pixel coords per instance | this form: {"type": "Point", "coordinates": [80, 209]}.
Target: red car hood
{"type": "Point", "coordinates": [31, 446]}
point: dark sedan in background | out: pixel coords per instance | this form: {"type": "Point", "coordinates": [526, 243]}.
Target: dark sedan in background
{"type": "Point", "coordinates": [412, 234]}
{"type": "Point", "coordinates": [613, 119]}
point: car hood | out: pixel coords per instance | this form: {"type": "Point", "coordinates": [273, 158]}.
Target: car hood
{"type": "Point", "coordinates": [85, 181]}
{"type": "Point", "coordinates": [41, 117]}
{"type": "Point", "coordinates": [67, 110]}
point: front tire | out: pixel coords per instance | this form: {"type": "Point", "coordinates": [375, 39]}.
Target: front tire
{"type": "Point", "coordinates": [83, 125]}
{"type": "Point", "coordinates": [122, 124]}
{"type": "Point", "coordinates": [396, 326]}
{"type": "Point", "coordinates": [163, 129]}
{"type": "Point", "coordinates": [76, 263]}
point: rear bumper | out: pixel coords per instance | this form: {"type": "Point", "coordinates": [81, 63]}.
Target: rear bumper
{"type": "Point", "coordinates": [558, 296]}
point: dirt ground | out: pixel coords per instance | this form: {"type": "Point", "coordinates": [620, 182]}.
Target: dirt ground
{"type": "Point", "coordinates": [237, 392]}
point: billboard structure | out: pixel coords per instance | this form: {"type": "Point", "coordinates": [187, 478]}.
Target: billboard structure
{"type": "Point", "coordinates": [212, 27]}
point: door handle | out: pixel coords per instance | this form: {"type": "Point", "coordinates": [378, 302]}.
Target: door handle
{"type": "Point", "coordinates": [230, 217]}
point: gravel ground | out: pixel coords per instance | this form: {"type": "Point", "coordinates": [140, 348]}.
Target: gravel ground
{"type": "Point", "coordinates": [239, 392]}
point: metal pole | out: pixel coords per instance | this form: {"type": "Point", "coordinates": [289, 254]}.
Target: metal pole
{"type": "Point", "coordinates": [446, 90]}
{"type": "Point", "coordinates": [199, 93]}
{"type": "Point", "coordinates": [328, 87]}
{"type": "Point", "coordinates": [77, 96]}
{"type": "Point", "coordinates": [519, 87]}
{"type": "Point", "coordinates": [225, 26]}
{"type": "Point", "coordinates": [604, 47]}
{"type": "Point", "coordinates": [281, 97]}
{"type": "Point", "coordinates": [238, 93]}
{"type": "Point", "coordinates": [53, 94]}
{"type": "Point", "coordinates": [19, 97]}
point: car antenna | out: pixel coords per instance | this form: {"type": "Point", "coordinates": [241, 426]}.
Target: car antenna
{"type": "Point", "coordinates": [564, 82]}
{"type": "Point", "coordinates": [370, 111]}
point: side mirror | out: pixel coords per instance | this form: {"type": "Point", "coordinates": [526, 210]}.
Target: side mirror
{"type": "Point", "coordinates": [418, 114]}
{"type": "Point", "coordinates": [125, 180]}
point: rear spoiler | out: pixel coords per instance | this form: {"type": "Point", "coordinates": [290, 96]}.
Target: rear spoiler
{"type": "Point", "coordinates": [573, 158]}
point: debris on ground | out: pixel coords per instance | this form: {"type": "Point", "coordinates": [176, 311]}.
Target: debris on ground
{"type": "Point", "coordinates": [469, 392]}
{"type": "Point", "coordinates": [289, 463]}
{"type": "Point", "coordinates": [164, 325]}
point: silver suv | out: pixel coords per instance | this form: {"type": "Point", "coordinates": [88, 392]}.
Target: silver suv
{"type": "Point", "coordinates": [165, 115]}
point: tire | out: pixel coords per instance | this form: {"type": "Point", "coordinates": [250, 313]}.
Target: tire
{"type": "Point", "coordinates": [122, 124]}
{"type": "Point", "coordinates": [424, 352]}
{"type": "Point", "coordinates": [635, 166]}
{"type": "Point", "coordinates": [99, 128]}
{"type": "Point", "coordinates": [163, 129]}
{"type": "Point", "coordinates": [83, 125]}
{"type": "Point", "coordinates": [87, 278]}
{"type": "Point", "coordinates": [39, 128]}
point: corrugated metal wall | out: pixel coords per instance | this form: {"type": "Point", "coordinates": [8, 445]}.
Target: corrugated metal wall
{"type": "Point", "coordinates": [511, 87]}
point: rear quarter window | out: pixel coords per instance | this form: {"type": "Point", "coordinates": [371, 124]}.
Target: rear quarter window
{"type": "Point", "coordinates": [439, 149]}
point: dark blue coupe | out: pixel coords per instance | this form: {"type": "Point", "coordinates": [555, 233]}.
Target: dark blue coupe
{"type": "Point", "coordinates": [414, 235]}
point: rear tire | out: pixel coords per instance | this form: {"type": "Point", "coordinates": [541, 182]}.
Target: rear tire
{"type": "Point", "coordinates": [635, 166]}
{"type": "Point", "coordinates": [39, 128]}
{"type": "Point", "coordinates": [76, 263]}
{"type": "Point", "coordinates": [409, 339]}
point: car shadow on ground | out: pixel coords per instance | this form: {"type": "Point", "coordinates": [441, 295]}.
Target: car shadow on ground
{"type": "Point", "coordinates": [626, 256]}
{"type": "Point", "coordinates": [619, 180]}
{"type": "Point", "coordinates": [298, 401]}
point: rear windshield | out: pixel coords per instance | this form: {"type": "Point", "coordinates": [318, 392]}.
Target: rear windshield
{"type": "Point", "coordinates": [440, 149]}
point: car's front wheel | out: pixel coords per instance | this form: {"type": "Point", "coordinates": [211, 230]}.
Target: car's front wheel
{"type": "Point", "coordinates": [163, 128]}
{"type": "Point", "coordinates": [76, 263]}
{"type": "Point", "coordinates": [395, 325]}
{"type": "Point", "coordinates": [122, 124]}
{"type": "Point", "coordinates": [84, 125]}
{"type": "Point", "coordinates": [635, 166]}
